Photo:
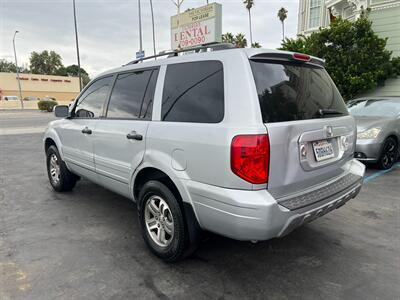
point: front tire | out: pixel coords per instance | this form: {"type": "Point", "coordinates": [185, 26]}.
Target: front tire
{"type": "Point", "coordinates": [389, 154]}
{"type": "Point", "coordinates": [61, 179]}
{"type": "Point", "coordinates": [162, 222]}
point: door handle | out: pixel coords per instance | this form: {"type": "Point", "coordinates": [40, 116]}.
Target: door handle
{"type": "Point", "coordinates": [134, 136]}
{"type": "Point", "coordinates": [86, 130]}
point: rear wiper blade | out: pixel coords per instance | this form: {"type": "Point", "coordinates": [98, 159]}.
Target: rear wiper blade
{"type": "Point", "coordinates": [328, 111]}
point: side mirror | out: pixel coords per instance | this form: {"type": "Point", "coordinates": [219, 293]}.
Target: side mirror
{"type": "Point", "coordinates": [61, 111]}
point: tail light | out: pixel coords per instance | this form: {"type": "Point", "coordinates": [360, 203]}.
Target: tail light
{"type": "Point", "coordinates": [301, 56]}
{"type": "Point", "coordinates": [250, 157]}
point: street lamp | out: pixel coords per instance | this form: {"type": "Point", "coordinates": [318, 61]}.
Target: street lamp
{"type": "Point", "coordinates": [77, 48]}
{"type": "Point", "coordinates": [16, 66]}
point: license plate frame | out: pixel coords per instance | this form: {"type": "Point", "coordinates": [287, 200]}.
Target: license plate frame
{"type": "Point", "coordinates": [323, 150]}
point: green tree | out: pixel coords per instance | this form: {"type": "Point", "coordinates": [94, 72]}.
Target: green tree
{"type": "Point", "coordinates": [240, 40]}
{"type": "Point", "coordinates": [228, 38]}
{"type": "Point", "coordinates": [301, 44]}
{"type": "Point", "coordinates": [249, 4]}
{"type": "Point", "coordinates": [282, 15]}
{"type": "Point", "coordinates": [256, 45]}
{"type": "Point", "coordinates": [355, 57]}
{"type": "Point", "coordinates": [9, 67]}
{"type": "Point", "coordinates": [45, 62]}
{"type": "Point", "coordinates": [72, 70]}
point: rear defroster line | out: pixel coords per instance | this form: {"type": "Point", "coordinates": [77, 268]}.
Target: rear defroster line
{"type": "Point", "coordinates": [380, 173]}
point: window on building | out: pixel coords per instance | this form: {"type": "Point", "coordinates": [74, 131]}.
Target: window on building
{"type": "Point", "coordinates": [315, 14]}
{"type": "Point", "coordinates": [132, 95]}
{"type": "Point", "coordinates": [194, 92]}
{"type": "Point", "coordinates": [90, 104]}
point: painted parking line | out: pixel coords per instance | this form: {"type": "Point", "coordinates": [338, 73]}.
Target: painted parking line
{"type": "Point", "coordinates": [380, 173]}
{"type": "Point", "coordinates": [22, 130]}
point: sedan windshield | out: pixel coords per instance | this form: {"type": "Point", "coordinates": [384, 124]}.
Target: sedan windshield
{"type": "Point", "coordinates": [375, 108]}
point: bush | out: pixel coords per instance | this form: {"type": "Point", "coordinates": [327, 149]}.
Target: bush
{"type": "Point", "coordinates": [47, 105]}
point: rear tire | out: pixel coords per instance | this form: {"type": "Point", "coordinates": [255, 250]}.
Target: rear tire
{"type": "Point", "coordinates": [162, 222]}
{"type": "Point", "coordinates": [61, 179]}
{"type": "Point", "coordinates": [389, 154]}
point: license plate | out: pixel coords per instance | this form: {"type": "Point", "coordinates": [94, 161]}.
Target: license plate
{"type": "Point", "coordinates": [323, 150]}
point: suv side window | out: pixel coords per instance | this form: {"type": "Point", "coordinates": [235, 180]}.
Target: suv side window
{"type": "Point", "coordinates": [132, 95]}
{"type": "Point", "coordinates": [194, 92]}
{"type": "Point", "coordinates": [91, 102]}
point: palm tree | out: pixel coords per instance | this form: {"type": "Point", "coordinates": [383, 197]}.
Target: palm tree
{"type": "Point", "coordinates": [240, 41]}
{"type": "Point", "coordinates": [256, 45]}
{"type": "Point", "coordinates": [282, 15]}
{"type": "Point", "coordinates": [228, 38]}
{"type": "Point", "coordinates": [249, 4]}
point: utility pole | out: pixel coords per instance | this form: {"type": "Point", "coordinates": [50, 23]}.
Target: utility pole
{"type": "Point", "coordinates": [152, 22]}
{"type": "Point", "coordinates": [178, 4]}
{"type": "Point", "coordinates": [16, 66]}
{"type": "Point", "coordinates": [77, 48]}
{"type": "Point", "coordinates": [140, 27]}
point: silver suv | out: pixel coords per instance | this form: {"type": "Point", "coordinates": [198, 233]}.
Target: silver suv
{"type": "Point", "coordinates": [246, 143]}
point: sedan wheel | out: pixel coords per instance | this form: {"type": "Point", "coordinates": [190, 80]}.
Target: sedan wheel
{"type": "Point", "coordinates": [389, 154]}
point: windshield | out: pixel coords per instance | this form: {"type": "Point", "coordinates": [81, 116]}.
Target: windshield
{"type": "Point", "coordinates": [291, 91]}
{"type": "Point", "coordinates": [375, 108]}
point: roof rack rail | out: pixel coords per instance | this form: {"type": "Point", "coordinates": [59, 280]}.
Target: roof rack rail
{"type": "Point", "coordinates": [213, 46]}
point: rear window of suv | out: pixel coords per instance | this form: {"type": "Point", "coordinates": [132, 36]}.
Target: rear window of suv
{"type": "Point", "coordinates": [295, 91]}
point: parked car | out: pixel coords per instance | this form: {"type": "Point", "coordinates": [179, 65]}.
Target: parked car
{"type": "Point", "coordinates": [11, 98]}
{"type": "Point", "coordinates": [31, 98]}
{"type": "Point", "coordinates": [378, 127]}
{"type": "Point", "coordinates": [246, 143]}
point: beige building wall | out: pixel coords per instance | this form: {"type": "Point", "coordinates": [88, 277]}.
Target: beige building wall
{"type": "Point", "coordinates": [62, 88]}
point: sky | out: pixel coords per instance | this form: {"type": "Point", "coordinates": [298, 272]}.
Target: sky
{"type": "Point", "coordinates": [108, 29]}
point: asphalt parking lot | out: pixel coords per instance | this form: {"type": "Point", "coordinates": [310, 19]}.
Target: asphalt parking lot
{"type": "Point", "coordinates": [86, 244]}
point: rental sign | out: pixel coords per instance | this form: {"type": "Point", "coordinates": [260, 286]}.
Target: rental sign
{"type": "Point", "coordinates": [196, 27]}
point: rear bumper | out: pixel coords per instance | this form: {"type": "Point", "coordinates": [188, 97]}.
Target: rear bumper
{"type": "Point", "coordinates": [256, 215]}
{"type": "Point", "coordinates": [368, 150]}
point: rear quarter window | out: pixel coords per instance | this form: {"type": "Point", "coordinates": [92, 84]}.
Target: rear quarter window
{"type": "Point", "coordinates": [194, 92]}
{"type": "Point", "coordinates": [294, 91]}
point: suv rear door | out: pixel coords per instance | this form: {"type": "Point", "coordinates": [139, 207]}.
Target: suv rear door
{"type": "Point", "coordinates": [311, 134]}
{"type": "Point", "coordinates": [120, 136]}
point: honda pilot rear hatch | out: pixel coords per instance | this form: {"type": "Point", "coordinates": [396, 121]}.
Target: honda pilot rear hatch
{"type": "Point", "coordinates": [311, 133]}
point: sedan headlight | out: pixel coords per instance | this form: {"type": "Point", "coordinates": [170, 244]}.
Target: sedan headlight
{"type": "Point", "coordinates": [369, 134]}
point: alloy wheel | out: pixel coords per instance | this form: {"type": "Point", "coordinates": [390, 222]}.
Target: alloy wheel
{"type": "Point", "coordinates": [54, 169]}
{"type": "Point", "coordinates": [159, 221]}
{"type": "Point", "coordinates": [389, 154]}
